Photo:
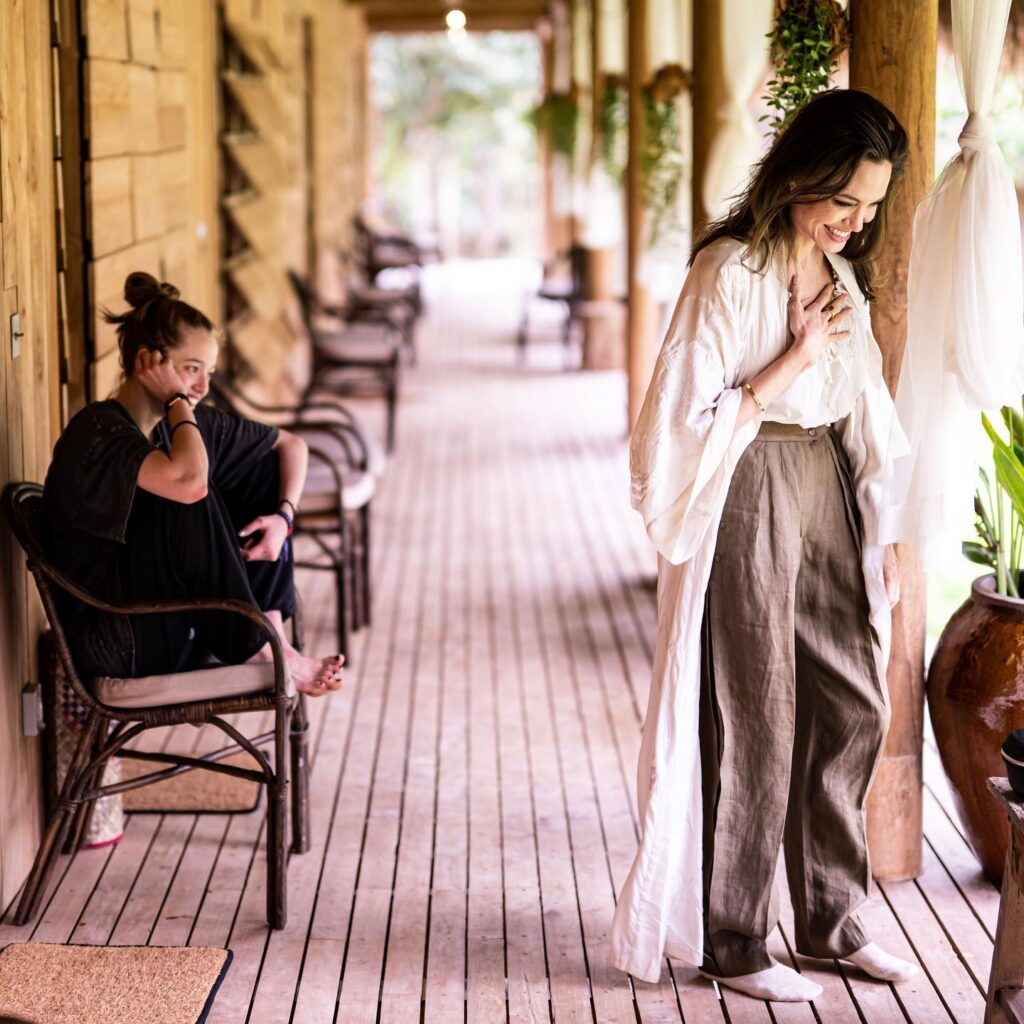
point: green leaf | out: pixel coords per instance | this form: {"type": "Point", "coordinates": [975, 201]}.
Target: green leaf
{"type": "Point", "coordinates": [1010, 475]}
{"type": "Point", "coordinates": [978, 553]}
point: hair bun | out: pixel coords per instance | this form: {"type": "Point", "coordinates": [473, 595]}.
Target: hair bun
{"type": "Point", "coordinates": [140, 289]}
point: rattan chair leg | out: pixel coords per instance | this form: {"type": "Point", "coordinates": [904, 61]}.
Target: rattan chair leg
{"type": "Point", "coordinates": [83, 815]}
{"type": "Point", "coordinates": [356, 575]}
{"type": "Point", "coordinates": [346, 619]}
{"type": "Point", "coordinates": [391, 398]}
{"type": "Point", "coordinates": [57, 829]}
{"type": "Point", "coordinates": [365, 553]}
{"type": "Point", "coordinates": [301, 837]}
{"type": "Point", "coordinates": [277, 824]}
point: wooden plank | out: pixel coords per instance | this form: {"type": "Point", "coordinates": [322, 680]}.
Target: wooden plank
{"type": "Point", "coordinates": [172, 91]}
{"type": "Point", "coordinates": [147, 196]}
{"type": "Point", "coordinates": [263, 285]}
{"type": "Point", "coordinates": [144, 109]}
{"type": "Point", "coordinates": [173, 33]}
{"type": "Point", "coordinates": [174, 261]}
{"type": "Point", "coordinates": [259, 217]}
{"type": "Point", "coordinates": [110, 205]}
{"type": "Point", "coordinates": [108, 108]}
{"type": "Point", "coordinates": [139, 914]}
{"type": "Point", "coordinates": [105, 26]}
{"type": "Point", "coordinates": [261, 106]}
{"type": "Point", "coordinates": [173, 183]}
{"type": "Point", "coordinates": [106, 287]}
{"type": "Point", "coordinates": [103, 909]}
{"type": "Point", "coordinates": [259, 161]}
{"type": "Point", "coordinates": [142, 32]}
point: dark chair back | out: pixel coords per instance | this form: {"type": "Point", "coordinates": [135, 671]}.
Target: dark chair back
{"type": "Point", "coordinates": [23, 507]}
{"type": "Point", "coordinates": [307, 301]}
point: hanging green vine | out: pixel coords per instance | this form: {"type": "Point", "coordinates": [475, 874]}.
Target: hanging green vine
{"type": "Point", "coordinates": [613, 125]}
{"type": "Point", "coordinates": [806, 41]}
{"type": "Point", "coordinates": [661, 161]}
{"type": "Point", "coordinates": [557, 119]}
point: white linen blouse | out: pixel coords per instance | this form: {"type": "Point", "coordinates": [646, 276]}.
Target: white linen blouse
{"type": "Point", "coordinates": [729, 324]}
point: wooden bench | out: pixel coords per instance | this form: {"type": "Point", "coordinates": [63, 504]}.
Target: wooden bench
{"type": "Point", "coordinates": [1005, 1004]}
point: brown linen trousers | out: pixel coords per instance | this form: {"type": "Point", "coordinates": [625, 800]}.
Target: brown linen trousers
{"type": "Point", "coordinates": [794, 707]}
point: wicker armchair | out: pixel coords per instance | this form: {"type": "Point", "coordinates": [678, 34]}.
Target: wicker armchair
{"type": "Point", "coordinates": [334, 512]}
{"type": "Point", "coordinates": [352, 360]}
{"type": "Point", "coordinates": [119, 710]}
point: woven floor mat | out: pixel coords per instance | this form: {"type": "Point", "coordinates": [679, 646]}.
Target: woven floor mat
{"type": "Point", "coordinates": [54, 984]}
{"type": "Point", "coordinates": [194, 792]}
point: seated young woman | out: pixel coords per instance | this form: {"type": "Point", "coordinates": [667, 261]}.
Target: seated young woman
{"type": "Point", "coordinates": [152, 496]}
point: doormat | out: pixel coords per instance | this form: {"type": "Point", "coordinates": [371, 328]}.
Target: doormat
{"type": "Point", "coordinates": [195, 792]}
{"type": "Point", "coordinates": [109, 984]}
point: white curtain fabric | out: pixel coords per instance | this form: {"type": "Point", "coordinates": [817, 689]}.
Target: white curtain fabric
{"type": "Point", "coordinates": [737, 145]}
{"type": "Point", "coordinates": [965, 340]}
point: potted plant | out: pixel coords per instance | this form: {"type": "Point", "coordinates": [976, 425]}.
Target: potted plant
{"type": "Point", "coordinates": [806, 40]}
{"type": "Point", "coordinates": [661, 159]}
{"type": "Point", "coordinates": [975, 682]}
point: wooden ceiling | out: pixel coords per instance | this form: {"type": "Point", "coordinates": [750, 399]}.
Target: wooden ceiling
{"type": "Point", "coordinates": [428, 15]}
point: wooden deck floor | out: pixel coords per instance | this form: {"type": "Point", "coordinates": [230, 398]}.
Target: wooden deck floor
{"type": "Point", "coordinates": [473, 810]}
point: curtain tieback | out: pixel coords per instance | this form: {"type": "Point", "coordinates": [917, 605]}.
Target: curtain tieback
{"type": "Point", "coordinates": [977, 134]}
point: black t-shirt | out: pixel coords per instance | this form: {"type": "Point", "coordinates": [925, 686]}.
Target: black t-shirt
{"type": "Point", "coordinates": [90, 488]}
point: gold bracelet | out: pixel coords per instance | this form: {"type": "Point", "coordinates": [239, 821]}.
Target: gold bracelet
{"type": "Point", "coordinates": [757, 401]}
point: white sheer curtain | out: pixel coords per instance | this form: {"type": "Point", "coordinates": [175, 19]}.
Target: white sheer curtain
{"type": "Point", "coordinates": [736, 146]}
{"type": "Point", "coordinates": [965, 341]}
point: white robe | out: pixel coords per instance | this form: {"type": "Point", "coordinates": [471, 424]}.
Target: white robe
{"type": "Point", "coordinates": [730, 323]}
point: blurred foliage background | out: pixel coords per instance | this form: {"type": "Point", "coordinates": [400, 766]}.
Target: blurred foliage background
{"type": "Point", "coordinates": [455, 154]}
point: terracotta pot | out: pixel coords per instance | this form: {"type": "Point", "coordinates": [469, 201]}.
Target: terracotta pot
{"type": "Point", "coordinates": [975, 697]}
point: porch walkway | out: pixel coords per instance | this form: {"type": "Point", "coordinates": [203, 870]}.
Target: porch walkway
{"type": "Point", "coordinates": [473, 812]}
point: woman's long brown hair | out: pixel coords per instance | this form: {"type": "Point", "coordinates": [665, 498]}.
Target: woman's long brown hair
{"type": "Point", "coordinates": [812, 159]}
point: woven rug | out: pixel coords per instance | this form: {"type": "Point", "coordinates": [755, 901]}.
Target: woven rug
{"type": "Point", "coordinates": [57, 984]}
{"type": "Point", "coordinates": [195, 792]}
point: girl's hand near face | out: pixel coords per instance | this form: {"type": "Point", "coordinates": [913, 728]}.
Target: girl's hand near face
{"type": "Point", "coordinates": [268, 547]}
{"type": "Point", "coordinates": [158, 375]}
{"type": "Point", "coordinates": [812, 326]}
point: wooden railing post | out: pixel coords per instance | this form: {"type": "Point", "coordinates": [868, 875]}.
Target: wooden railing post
{"type": "Point", "coordinates": [893, 57]}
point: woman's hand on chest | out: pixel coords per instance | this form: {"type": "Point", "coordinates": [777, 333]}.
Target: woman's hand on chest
{"type": "Point", "coordinates": [818, 323]}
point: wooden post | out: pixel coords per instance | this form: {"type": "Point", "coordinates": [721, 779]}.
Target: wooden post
{"type": "Point", "coordinates": [707, 95]}
{"type": "Point", "coordinates": [641, 343]}
{"type": "Point", "coordinates": [548, 240]}
{"type": "Point", "coordinates": [893, 57]}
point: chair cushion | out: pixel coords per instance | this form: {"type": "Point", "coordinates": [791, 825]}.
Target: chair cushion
{"type": "Point", "coordinates": [218, 681]}
{"type": "Point", "coordinates": [321, 495]}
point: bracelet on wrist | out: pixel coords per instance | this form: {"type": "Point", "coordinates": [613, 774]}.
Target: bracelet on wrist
{"type": "Point", "coordinates": [291, 504]}
{"type": "Point", "coordinates": [288, 519]}
{"type": "Point", "coordinates": [177, 397]}
{"type": "Point", "coordinates": [183, 423]}
{"type": "Point", "coordinates": [753, 395]}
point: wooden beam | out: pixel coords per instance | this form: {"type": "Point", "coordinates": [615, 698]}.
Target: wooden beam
{"type": "Point", "coordinates": [708, 95]}
{"type": "Point", "coordinates": [641, 343]}
{"type": "Point", "coordinates": [431, 23]}
{"type": "Point", "coordinates": [893, 57]}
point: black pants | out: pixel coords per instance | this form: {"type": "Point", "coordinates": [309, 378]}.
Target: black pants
{"type": "Point", "coordinates": [175, 551]}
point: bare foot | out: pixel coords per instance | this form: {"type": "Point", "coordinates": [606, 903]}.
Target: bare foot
{"type": "Point", "coordinates": [315, 676]}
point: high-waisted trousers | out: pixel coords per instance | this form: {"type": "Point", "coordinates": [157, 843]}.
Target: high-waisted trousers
{"type": "Point", "coordinates": [794, 708]}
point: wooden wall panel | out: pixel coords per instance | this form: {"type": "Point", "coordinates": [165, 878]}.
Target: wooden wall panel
{"type": "Point", "coordinates": [137, 187]}
{"type": "Point", "coordinates": [110, 213]}
{"type": "Point", "coordinates": [105, 27]}
{"type": "Point", "coordinates": [28, 380]}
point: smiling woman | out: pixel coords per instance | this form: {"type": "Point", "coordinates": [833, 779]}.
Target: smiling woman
{"type": "Point", "coordinates": [152, 496]}
{"type": "Point", "coordinates": [757, 462]}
